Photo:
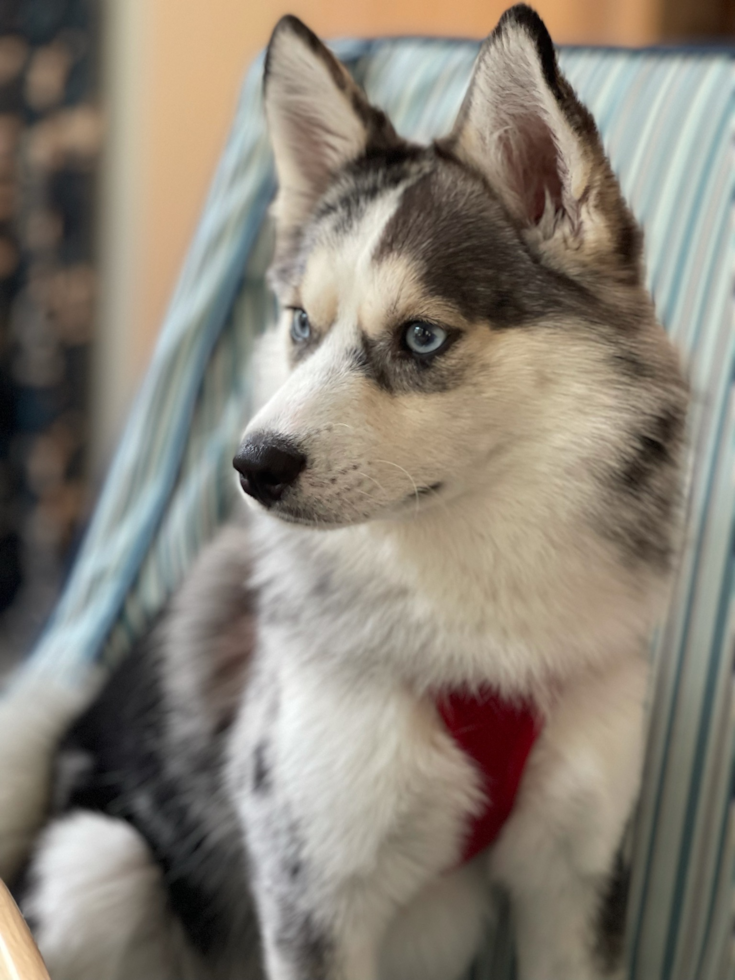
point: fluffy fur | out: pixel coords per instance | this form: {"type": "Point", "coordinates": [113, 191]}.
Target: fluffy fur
{"type": "Point", "coordinates": [500, 511]}
{"type": "Point", "coordinates": [99, 903]}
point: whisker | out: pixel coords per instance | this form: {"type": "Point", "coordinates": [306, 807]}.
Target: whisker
{"type": "Point", "coordinates": [370, 496]}
{"type": "Point", "coordinates": [404, 470]}
{"type": "Point", "coordinates": [376, 482]}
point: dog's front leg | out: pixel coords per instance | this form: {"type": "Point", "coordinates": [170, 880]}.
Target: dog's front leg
{"type": "Point", "coordinates": [558, 853]}
{"type": "Point", "coordinates": [352, 797]}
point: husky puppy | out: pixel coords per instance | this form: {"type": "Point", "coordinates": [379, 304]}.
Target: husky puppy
{"type": "Point", "coordinates": [464, 482]}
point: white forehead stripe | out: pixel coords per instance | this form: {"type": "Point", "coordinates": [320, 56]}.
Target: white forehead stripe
{"type": "Point", "coordinates": [357, 250]}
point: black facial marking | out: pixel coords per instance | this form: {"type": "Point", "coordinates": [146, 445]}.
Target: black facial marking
{"type": "Point", "coordinates": [380, 169]}
{"type": "Point", "coordinates": [391, 368]}
{"type": "Point", "coordinates": [469, 253]}
{"type": "Point", "coordinates": [368, 362]}
{"type": "Point", "coordinates": [261, 770]}
{"type": "Point", "coordinates": [611, 916]}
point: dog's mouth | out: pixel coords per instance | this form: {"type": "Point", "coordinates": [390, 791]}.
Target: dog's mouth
{"type": "Point", "coordinates": [417, 497]}
{"type": "Point", "coordinates": [321, 512]}
{"type": "Point", "coordinates": [425, 491]}
{"type": "Point", "coordinates": [294, 483]}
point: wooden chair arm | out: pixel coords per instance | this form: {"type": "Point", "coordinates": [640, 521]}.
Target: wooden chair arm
{"type": "Point", "coordinates": [19, 956]}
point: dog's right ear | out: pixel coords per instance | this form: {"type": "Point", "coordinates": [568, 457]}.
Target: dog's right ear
{"type": "Point", "coordinates": [318, 117]}
{"type": "Point", "coordinates": [524, 129]}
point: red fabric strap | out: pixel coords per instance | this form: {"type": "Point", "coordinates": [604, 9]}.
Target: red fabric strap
{"type": "Point", "coordinates": [498, 736]}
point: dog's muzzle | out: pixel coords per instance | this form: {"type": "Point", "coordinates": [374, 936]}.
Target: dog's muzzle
{"type": "Point", "coordinates": [268, 465]}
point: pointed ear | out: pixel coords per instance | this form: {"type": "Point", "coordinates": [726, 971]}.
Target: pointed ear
{"type": "Point", "coordinates": [318, 117]}
{"type": "Point", "coordinates": [523, 128]}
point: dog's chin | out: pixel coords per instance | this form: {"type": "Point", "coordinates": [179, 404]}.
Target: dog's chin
{"type": "Point", "coordinates": [304, 518]}
{"type": "Point", "coordinates": [303, 513]}
{"type": "Point", "coordinates": [300, 511]}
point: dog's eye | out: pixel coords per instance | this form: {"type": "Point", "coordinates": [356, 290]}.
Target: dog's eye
{"type": "Point", "coordinates": [424, 338]}
{"type": "Point", "coordinates": [300, 327]}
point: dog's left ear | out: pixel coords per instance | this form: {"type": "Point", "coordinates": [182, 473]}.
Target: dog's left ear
{"type": "Point", "coordinates": [319, 119]}
{"type": "Point", "coordinates": [523, 128]}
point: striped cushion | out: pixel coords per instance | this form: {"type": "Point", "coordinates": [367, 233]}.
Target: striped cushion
{"type": "Point", "coordinates": [667, 120]}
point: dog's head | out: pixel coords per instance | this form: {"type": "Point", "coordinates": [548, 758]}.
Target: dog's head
{"type": "Point", "coordinates": [456, 320]}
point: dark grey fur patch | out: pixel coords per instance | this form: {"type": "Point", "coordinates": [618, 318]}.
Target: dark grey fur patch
{"type": "Point", "coordinates": [74, 767]}
{"type": "Point", "coordinates": [645, 487]}
{"type": "Point", "coordinates": [649, 453]}
{"type": "Point", "coordinates": [177, 806]}
{"type": "Point", "coordinates": [469, 253]}
{"type": "Point", "coordinates": [261, 769]}
{"type": "Point", "coordinates": [294, 868]}
{"type": "Point", "coordinates": [302, 939]}
{"type": "Point", "coordinates": [383, 147]}
{"type": "Point", "coordinates": [630, 365]}
{"type": "Point", "coordinates": [366, 363]}
{"type": "Point", "coordinates": [395, 370]}
{"type": "Point", "coordinates": [610, 925]}
{"type": "Point", "coordinates": [379, 170]}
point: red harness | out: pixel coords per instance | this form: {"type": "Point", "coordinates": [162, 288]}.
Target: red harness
{"type": "Point", "coordinates": [498, 736]}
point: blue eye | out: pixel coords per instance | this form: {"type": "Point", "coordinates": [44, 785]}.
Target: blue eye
{"type": "Point", "coordinates": [300, 327]}
{"type": "Point", "coordinates": [424, 338]}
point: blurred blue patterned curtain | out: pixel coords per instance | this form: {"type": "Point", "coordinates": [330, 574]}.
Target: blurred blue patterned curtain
{"type": "Point", "coordinates": [50, 131]}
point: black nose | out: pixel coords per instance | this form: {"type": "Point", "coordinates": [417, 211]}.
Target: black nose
{"type": "Point", "coordinates": [268, 466]}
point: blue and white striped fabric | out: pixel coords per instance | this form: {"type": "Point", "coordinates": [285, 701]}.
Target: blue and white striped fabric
{"type": "Point", "coordinates": [668, 121]}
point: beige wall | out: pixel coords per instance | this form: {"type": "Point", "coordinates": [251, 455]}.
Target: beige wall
{"type": "Point", "coordinates": [174, 71]}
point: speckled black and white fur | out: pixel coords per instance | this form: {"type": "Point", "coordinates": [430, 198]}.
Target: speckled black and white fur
{"type": "Point", "coordinates": [499, 512]}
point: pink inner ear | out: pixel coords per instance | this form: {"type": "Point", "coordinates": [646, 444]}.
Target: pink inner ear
{"type": "Point", "coordinates": [310, 141]}
{"type": "Point", "coordinates": [532, 165]}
